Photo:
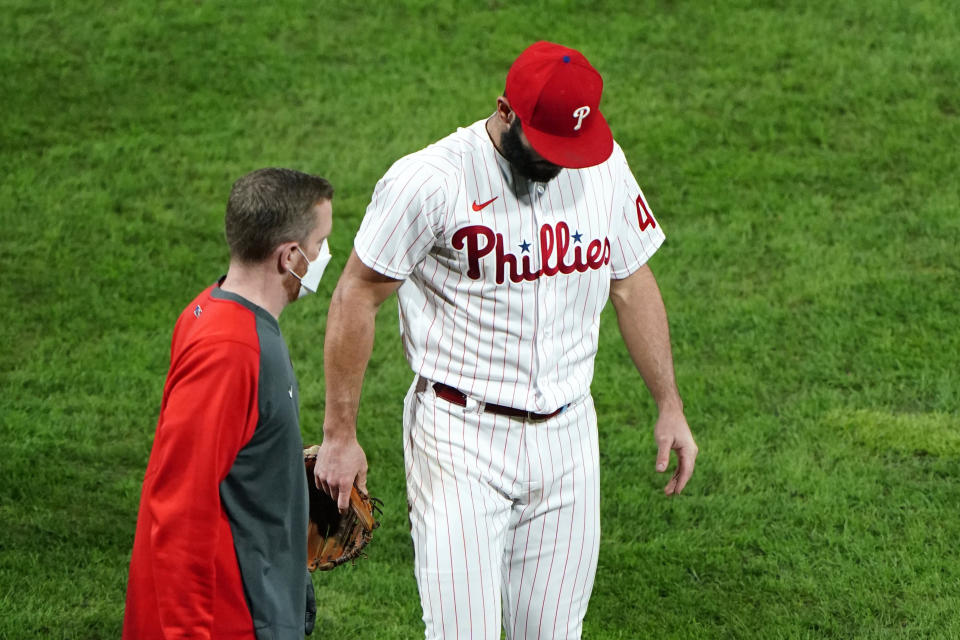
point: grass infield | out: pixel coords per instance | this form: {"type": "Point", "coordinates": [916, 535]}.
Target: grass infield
{"type": "Point", "coordinates": [798, 155]}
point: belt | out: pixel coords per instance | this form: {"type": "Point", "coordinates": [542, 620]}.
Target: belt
{"type": "Point", "coordinates": [459, 398]}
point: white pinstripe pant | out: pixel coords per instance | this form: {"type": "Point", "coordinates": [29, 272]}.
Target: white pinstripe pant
{"type": "Point", "coordinates": [505, 518]}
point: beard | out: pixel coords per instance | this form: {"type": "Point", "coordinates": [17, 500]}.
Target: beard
{"type": "Point", "coordinates": [524, 159]}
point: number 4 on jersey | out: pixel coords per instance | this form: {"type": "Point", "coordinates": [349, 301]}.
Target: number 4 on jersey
{"type": "Point", "coordinates": [644, 217]}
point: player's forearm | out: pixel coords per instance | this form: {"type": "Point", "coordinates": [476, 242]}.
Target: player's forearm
{"type": "Point", "coordinates": [347, 349]}
{"type": "Point", "coordinates": [642, 318]}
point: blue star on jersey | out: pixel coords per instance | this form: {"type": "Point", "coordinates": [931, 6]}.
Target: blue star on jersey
{"type": "Point", "coordinates": [576, 236]}
{"type": "Point", "coordinates": [525, 247]}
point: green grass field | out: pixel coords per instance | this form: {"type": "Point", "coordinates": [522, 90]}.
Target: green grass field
{"type": "Point", "coordinates": [798, 155]}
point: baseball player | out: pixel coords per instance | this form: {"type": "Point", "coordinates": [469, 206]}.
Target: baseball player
{"type": "Point", "coordinates": [221, 543]}
{"type": "Point", "coordinates": [504, 241]}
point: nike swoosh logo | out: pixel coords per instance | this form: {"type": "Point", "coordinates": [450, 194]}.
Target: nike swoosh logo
{"type": "Point", "coordinates": [478, 207]}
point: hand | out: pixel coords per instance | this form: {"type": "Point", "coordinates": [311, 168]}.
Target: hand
{"type": "Point", "coordinates": [673, 432]}
{"type": "Point", "coordinates": [339, 463]}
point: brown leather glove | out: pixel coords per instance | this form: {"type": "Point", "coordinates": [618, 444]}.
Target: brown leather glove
{"type": "Point", "coordinates": [333, 539]}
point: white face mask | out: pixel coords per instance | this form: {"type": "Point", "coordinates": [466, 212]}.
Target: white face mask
{"type": "Point", "coordinates": [311, 279]}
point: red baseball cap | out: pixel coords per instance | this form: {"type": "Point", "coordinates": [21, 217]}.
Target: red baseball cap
{"type": "Point", "coordinates": [556, 94]}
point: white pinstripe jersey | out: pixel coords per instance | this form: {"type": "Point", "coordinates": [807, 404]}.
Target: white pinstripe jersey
{"type": "Point", "coordinates": [505, 278]}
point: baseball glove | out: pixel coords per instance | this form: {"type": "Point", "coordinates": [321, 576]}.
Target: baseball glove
{"type": "Point", "coordinates": [333, 539]}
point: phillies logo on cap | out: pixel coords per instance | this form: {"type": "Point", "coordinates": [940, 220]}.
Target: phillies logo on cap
{"type": "Point", "coordinates": [546, 85]}
{"type": "Point", "coordinates": [580, 114]}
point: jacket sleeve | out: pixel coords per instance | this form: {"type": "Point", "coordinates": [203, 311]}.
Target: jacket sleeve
{"type": "Point", "coordinates": [209, 413]}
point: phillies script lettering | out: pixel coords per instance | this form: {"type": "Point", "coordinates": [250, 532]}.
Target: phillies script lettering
{"type": "Point", "coordinates": [481, 241]}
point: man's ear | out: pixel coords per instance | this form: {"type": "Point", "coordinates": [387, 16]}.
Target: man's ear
{"type": "Point", "coordinates": [286, 256]}
{"type": "Point", "coordinates": [504, 111]}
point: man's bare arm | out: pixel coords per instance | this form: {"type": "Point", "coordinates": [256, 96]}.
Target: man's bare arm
{"type": "Point", "coordinates": [347, 348]}
{"type": "Point", "coordinates": [643, 324]}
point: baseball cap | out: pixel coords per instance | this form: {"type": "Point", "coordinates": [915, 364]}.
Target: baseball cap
{"type": "Point", "coordinates": [555, 92]}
